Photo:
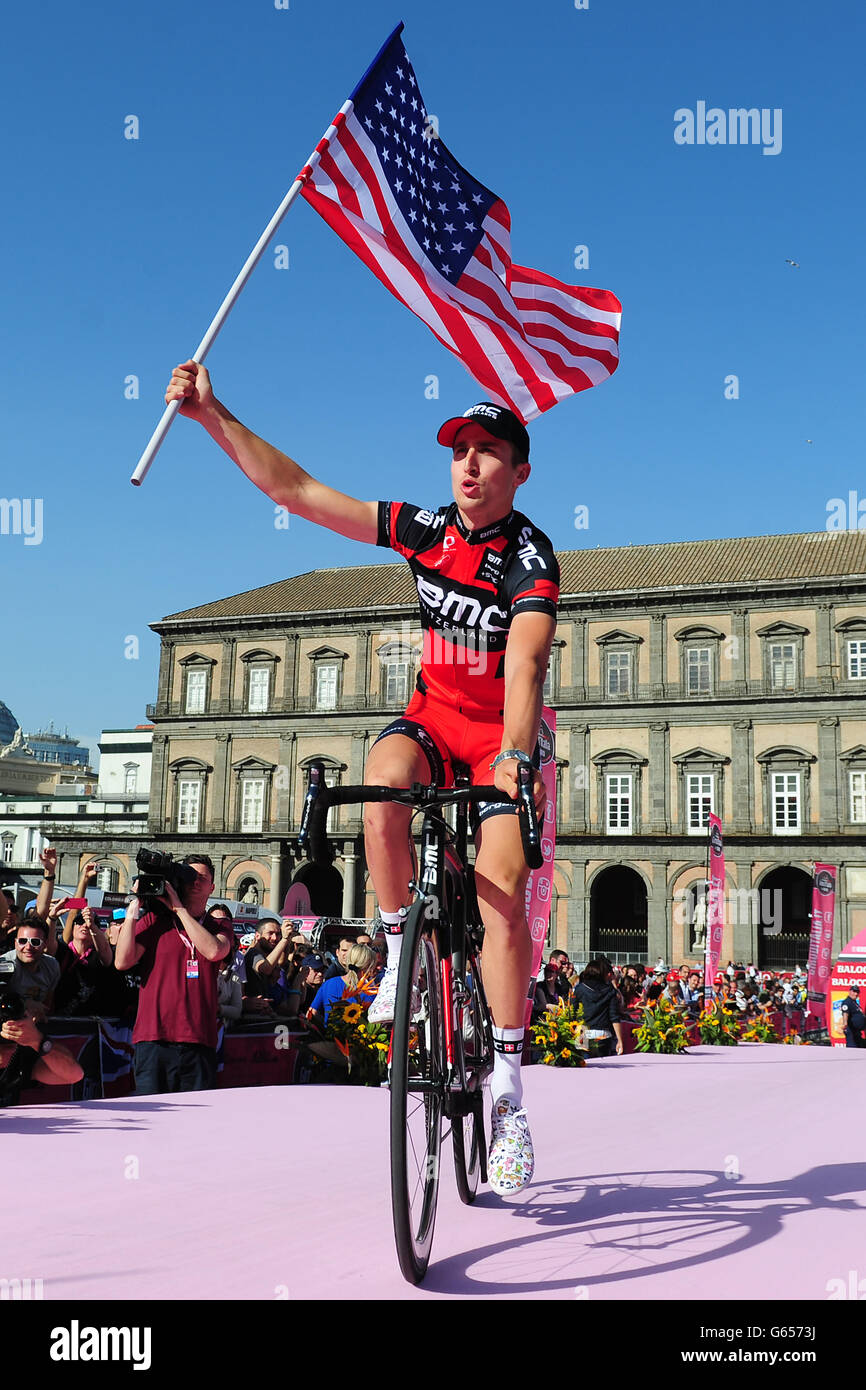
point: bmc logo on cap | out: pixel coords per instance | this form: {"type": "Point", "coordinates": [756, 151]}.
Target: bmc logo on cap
{"type": "Point", "coordinates": [492, 412]}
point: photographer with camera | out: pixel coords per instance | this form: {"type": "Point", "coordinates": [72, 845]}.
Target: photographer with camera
{"type": "Point", "coordinates": [268, 961]}
{"type": "Point", "coordinates": [177, 949]}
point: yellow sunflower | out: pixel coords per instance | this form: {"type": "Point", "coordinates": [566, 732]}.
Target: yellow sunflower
{"type": "Point", "coordinates": [352, 1013]}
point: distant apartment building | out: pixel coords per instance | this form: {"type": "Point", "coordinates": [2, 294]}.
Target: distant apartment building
{"type": "Point", "coordinates": [63, 803]}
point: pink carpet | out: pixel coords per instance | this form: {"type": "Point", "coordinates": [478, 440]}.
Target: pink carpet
{"type": "Point", "coordinates": [730, 1173]}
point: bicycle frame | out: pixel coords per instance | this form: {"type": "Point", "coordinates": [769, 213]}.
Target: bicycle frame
{"type": "Point", "coordinates": [447, 882]}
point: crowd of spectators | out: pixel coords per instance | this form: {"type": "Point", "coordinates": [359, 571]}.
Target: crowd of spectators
{"type": "Point", "coordinates": [175, 968]}
{"type": "Point", "coordinates": [612, 996]}
{"type": "Point", "coordinates": [172, 967]}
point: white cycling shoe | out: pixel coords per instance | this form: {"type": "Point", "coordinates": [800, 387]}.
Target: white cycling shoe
{"type": "Point", "coordinates": [511, 1160]}
{"type": "Point", "coordinates": [382, 1008]}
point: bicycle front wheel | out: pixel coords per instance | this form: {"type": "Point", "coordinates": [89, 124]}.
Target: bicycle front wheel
{"type": "Point", "coordinates": [417, 1079]}
{"type": "Point", "coordinates": [474, 1046]}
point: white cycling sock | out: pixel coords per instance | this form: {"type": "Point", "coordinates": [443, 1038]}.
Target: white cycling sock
{"type": "Point", "coordinates": [507, 1057]}
{"type": "Point", "coordinates": [393, 923]}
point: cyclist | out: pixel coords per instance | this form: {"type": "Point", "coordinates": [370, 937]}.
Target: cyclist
{"type": "Point", "coordinates": [488, 584]}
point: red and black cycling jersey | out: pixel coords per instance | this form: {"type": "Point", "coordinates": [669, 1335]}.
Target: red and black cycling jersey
{"type": "Point", "coordinates": [471, 584]}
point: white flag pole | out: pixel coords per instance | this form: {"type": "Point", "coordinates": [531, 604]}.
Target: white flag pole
{"type": "Point", "coordinates": [222, 313]}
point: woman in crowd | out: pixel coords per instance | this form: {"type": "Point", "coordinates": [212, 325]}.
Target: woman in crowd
{"type": "Point", "coordinates": [360, 965]}
{"type": "Point", "coordinates": [601, 1013]}
{"type": "Point", "coordinates": [546, 994]}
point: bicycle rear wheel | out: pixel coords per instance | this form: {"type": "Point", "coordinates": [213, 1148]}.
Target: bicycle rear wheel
{"type": "Point", "coordinates": [417, 1079]}
{"type": "Point", "coordinates": [473, 1043]}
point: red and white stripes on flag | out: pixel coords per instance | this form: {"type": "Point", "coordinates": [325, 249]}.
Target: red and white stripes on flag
{"type": "Point", "coordinates": [528, 339]}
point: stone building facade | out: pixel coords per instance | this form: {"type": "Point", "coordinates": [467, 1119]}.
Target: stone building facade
{"type": "Point", "coordinates": [724, 675]}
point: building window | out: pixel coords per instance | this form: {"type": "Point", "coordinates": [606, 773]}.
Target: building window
{"type": "Point", "coordinates": [130, 778]}
{"type": "Point", "coordinates": [552, 682]}
{"type": "Point", "coordinates": [619, 673]}
{"type": "Point", "coordinates": [856, 661]}
{"type": "Point", "coordinates": [782, 656]}
{"type": "Point", "coordinates": [700, 787]}
{"type": "Point", "coordinates": [397, 682]}
{"type": "Point", "coordinates": [698, 670]}
{"type": "Point", "coordinates": [619, 804]}
{"type": "Point", "coordinates": [700, 659]}
{"type": "Point", "coordinates": [326, 686]}
{"type": "Point", "coordinates": [786, 781]}
{"type": "Point", "coordinates": [82, 808]}
{"type": "Point", "coordinates": [619, 664]}
{"type": "Point", "coordinates": [786, 802]}
{"type": "Point", "coordinates": [783, 665]}
{"type": "Point", "coordinates": [260, 680]}
{"type": "Point", "coordinates": [8, 850]}
{"type": "Point", "coordinates": [396, 672]}
{"type": "Point", "coordinates": [260, 689]}
{"type": "Point", "coordinates": [857, 791]}
{"type": "Point", "coordinates": [127, 805]}
{"type": "Point", "coordinates": [188, 805]}
{"type": "Point", "coordinates": [196, 688]}
{"type": "Point", "coordinates": [46, 809]}
{"type": "Point", "coordinates": [252, 804]}
{"type": "Point", "coordinates": [699, 796]}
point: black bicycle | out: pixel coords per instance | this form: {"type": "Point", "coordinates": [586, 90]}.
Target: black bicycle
{"type": "Point", "coordinates": [441, 1041]}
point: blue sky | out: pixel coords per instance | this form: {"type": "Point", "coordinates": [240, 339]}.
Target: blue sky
{"type": "Point", "coordinates": [117, 253]}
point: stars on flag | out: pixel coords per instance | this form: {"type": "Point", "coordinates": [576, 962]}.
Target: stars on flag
{"type": "Point", "coordinates": [415, 163]}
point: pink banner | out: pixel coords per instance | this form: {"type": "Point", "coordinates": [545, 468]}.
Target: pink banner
{"type": "Point", "coordinates": [820, 944]}
{"type": "Point", "coordinates": [715, 903]}
{"type": "Point", "coordinates": [541, 880]}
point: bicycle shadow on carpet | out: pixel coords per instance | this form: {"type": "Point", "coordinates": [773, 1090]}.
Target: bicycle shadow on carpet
{"type": "Point", "coordinates": [608, 1229]}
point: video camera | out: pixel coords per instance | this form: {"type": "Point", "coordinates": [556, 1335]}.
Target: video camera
{"type": "Point", "coordinates": [17, 1071]}
{"type": "Point", "coordinates": [155, 870]}
{"type": "Point", "coordinates": [11, 1003]}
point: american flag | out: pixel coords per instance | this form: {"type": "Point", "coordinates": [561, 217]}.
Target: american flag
{"type": "Point", "coordinates": [440, 241]}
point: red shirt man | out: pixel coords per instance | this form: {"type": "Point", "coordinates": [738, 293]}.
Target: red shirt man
{"type": "Point", "coordinates": [177, 953]}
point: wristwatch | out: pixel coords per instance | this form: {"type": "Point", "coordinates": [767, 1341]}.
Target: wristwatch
{"type": "Point", "coordinates": [510, 753]}
{"type": "Point", "coordinates": [45, 1046]}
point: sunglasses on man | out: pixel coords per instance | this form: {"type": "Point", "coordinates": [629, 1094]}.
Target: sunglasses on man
{"type": "Point", "coordinates": [36, 942]}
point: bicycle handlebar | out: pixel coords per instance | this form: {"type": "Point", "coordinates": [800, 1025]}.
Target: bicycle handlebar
{"type": "Point", "coordinates": [319, 798]}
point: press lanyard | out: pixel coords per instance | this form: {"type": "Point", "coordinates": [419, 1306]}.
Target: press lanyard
{"type": "Point", "coordinates": [192, 959]}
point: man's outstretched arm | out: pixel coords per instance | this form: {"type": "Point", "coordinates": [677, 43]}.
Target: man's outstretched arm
{"type": "Point", "coordinates": [272, 471]}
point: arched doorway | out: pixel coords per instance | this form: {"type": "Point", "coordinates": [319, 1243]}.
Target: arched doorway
{"type": "Point", "coordinates": [325, 886]}
{"type": "Point", "coordinates": [249, 890]}
{"type": "Point", "coordinates": [618, 914]}
{"type": "Point", "coordinates": [784, 918]}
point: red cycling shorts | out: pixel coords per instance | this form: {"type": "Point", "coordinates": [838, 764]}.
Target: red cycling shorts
{"type": "Point", "coordinates": [449, 736]}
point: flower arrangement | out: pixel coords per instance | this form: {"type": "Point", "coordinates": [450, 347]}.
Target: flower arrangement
{"type": "Point", "coordinates": [796, 1040]}
{"type": "Point", "coordinates": [559, 1034]}
{"type": "Point", "coordinates": [664, 1028]}
{"type": "Point", "coordinates": [364, 1045]}
{"type": "Point", "coordinates": [759, 1031]}
{"type": "Point", "coordinates": [717, 1025]}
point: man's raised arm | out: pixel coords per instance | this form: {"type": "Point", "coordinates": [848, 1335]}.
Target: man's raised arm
{"type": "Point", "coordinates": [272, 471]}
